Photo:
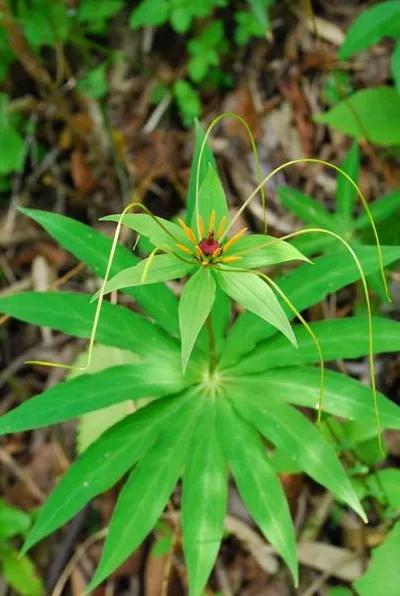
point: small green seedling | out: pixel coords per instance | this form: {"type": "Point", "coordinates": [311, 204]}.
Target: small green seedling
{"type": "Point", "coordinates": [212, 395]}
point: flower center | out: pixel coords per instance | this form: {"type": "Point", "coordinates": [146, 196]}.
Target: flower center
{"type": "Point", "coordinates": [209, 245]}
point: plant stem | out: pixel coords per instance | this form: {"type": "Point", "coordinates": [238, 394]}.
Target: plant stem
{"type": "Point", "coordinates": [211, 344]}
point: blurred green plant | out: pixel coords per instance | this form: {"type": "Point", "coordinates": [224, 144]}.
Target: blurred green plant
{"type": "Point", "coordinates": [369, 114]}
{"type": "Point", "coordinates": [17, 570]}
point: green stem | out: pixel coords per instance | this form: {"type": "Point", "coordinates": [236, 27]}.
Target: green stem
{"type": "Point", "coordinates": [211, 344]}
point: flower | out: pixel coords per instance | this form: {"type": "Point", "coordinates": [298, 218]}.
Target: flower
{"type": "Point", "coordinates": [204, 250]}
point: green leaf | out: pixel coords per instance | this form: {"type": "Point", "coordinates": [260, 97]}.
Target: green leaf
{"type": "Point", "coordinates": [263, 251]}
{"type": "Point", "coordinates": [343, 396]}
{"type": "Point", "coordinates": [164, 234]}
{"type": "Point", "coordinates": [103, 464]}
{"type": "Point", "coordinates": [12, 521]}
{"type": "Point", "coordinates": [195, 305]}
{"type": "Point", "coordinates": [383, 573]}
{"type": "Point", "coordinates": [313, 245]}
{"type": "Point", "coordinates": [93, 424]}
{"type": "Point", "coordinates": [20, 573]}
{"type": "Point", "coordinates": [188, 100]}
{"type": "Point", "coordinates": [94, 11]}
{"type": "Point", "coordinates": [381, 209]}
{"type": "Point", "coordinates": [385, 486]}
{"type": "Point", "coordinates": [94, 84]}
{"type": "Point", "coordinates": [259, 8]}
{"type": "Point", "coordinates": [211, 198]}
{"type": "Point", "coordinates": [220, 317]}
{"type": "Point", "coordinates": [207, 160]}
{"type": "Point", "coordinates": [339, 339]}
{"type": "Point", "coordinates": [204, 500]}
{"type": "Point", "coordinates": [92, 248]}
{"type": "Point", "coordinates": [370, 26]}
{"type": "Point", "coordinates": [291, 432]}
{"type": "Point", "coordinates": [12, 147]}
{"type": "Point", "coordinates": [346, 194]}
{"type": "Point", "coordinates": [247, 27]}
{"type": "Point", "coordinates": [254, 294]}
{"type": "Point", "coordinates": [92, 392]}
{"type": "Point", "coordinates": [305, 207]}
{"type": "Point", "coordinates": [149, 271]}
{"type": "Point", "coordinates": [43, 23]}
{"type": "Point", "coordinates": [72, 313]}
{"type": "Point", "coordinates": [305, 286]}
{"type": "Point", "coordinates": [369, 113]}
{"type": "Point", "coordinates": [257, 483]}
{"type": "Point", "coordinates": [150, 13]}
{"type": "Point", "coordinates": [395, 66]}
{"type": "Point", "coordinates": [146, 491]}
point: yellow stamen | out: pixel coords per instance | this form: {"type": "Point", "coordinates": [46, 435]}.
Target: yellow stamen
{"type": "Point", "coordinates": [211, 220]}
{"type": "Point", "coordinates": [216, 252]}
{"type": "Point", "coordinates": [234, 238]}
{"type": "Point", "coordinates": [221, 227]}
{"type": "Point", "coordinates": [188, 232]}
{"type": "Point", "coordinates": [199, 254]}
{"type": "Point", "coordinates": [231, 259]}
{"type": "Point", "coordinates": [184, 248]}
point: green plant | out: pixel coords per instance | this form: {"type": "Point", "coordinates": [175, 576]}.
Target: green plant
{"type": "Point", "coordinates": [373, 24]}
{"type": "Point", "coordinates": [222, 397]}
{"type": "Point", "coordinates": [352, 115]}
{"type": "Point", "coordinates": [17, 570]}
{"type": "Point", "coordinates": [209, 44]}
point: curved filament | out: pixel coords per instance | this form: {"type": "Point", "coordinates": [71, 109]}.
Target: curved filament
{"type": "Point", "coordinates": [368, 303]}
{"type": "Point", "coordinates": [214, 122]}
{"type": "Point", "coordinates": [147, 266]}
{"type": "Point", "coordinates": [310, 332]}
{"type": "Point", "coordinates": [348, 178]}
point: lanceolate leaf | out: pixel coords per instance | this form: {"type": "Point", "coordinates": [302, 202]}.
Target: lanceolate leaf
{"type": "Point", "coordinates": [370, 26]}
{"type": "Point", "coordinates": [211, 197]}
{"type": "Point", "coordinates": [146, 491]}
{"type": "Point", "coordinates": [19, 573]}
{"type": "Point", "coordinates": [204, 503]}
{"type": "Point", "coordinates": [257, 482]}
{"type": "Point", "coordinates": [149, 271]}
{"type": "Point", "coordinates": [305, 207]}
{"type": "Point", "coordinates": [305, 286]}
{"type": "Point", "coordinates": [72, 313]}
{"type": "Point", "coordinates": [255, 295]}
{"type": "Point", "coordinates": [343, 396]}
{"type": "Point", "coordinates": [103, 464]}
{"type": "Point", "coordinates": [291, 432]}
{"type": "Point", "coordinates": [92, 248]}
{"type": "Point", "coordinates": [380, 209]}
{"type": "Point", "coordinates": [345, 192]}
{"type": "Point", "coordinates": [91, 392]}
{"type": "Point", "coordinates": [339, 338]}
{"type": "Point", "coordinates": [164, 237]}
{"type": "Point", "coordinates": [206, 161]}
{"type": "Point", "coordinates": [383, 573]}
{"type": "Point", "coordinates": [258, 250]}
{"type": "Point", "coordinates": [383, 129]}
{"type": "Point", "coordinates": [194, 307]}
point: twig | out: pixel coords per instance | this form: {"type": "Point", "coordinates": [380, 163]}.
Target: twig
{"type": "Point", "coordinates": [73, 562]}
{"type": "Point", "coordinates": [7, 460]}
